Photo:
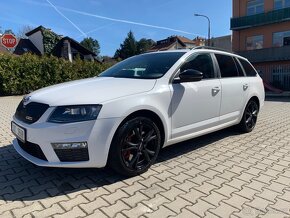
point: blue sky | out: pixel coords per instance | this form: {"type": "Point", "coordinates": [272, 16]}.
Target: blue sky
{"type": "Point", "coordinates": [109, 21]}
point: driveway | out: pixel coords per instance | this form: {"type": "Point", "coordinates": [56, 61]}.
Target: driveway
{"type": "Point", "coordinates": [223, 174]}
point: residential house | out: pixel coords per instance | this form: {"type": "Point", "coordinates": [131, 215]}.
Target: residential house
{"type": "Point", "coordinates": [69, 49]}
{"type": "Point", "coordinates": [24, 46]}
{"type": "Point", "coordinates": [177, 42]}
{"type": "Point", "coordinates": [261, 33]}
{"type": "Point", "coordinates": [44, 41]}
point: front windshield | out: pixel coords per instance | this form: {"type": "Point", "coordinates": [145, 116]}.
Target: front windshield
{"type": "Point", "coordinates": [147, 66]}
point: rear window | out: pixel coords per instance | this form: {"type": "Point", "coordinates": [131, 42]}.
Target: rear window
{"type": "Point", "coordinates": [250, 71]}
{"type": "Point", "coordinates": [227, 66]}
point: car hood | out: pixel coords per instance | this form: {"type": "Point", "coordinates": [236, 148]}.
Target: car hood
{"type": "Point", "coordinates": [90, 91]}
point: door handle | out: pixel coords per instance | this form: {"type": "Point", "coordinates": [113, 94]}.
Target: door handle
{"type": "Point", "coordinates": [245, 87]}
{"type": "Point", "coordinates": [215, 90]}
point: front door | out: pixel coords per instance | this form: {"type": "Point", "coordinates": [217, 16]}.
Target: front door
{"type": "Point", "coordinates": [196, 105]}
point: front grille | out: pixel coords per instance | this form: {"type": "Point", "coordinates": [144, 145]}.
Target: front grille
{"type": "Point", "coordinates": [31, 112]}
{"type": "Point", "coordinates": [32, 149]}
{"type": "Point", "coordinates": [72, 155]}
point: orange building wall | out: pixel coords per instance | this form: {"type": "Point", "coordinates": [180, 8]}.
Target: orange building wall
{"type": "Point", "coordinates": [240, 7]}
{"type": "Point", "coordinates": [240, 37]}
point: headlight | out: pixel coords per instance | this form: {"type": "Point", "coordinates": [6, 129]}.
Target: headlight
{"type": "Point", "coordinates": [74, 113]}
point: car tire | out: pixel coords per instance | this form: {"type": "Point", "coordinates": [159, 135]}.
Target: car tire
{"type": "Point", "coordinates": [250, 116]}
{"type": "Point", "coordinates": [135, 146]}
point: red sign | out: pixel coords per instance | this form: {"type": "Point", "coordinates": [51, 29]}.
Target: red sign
{"type": "Point", "coordinates": [9, 41]}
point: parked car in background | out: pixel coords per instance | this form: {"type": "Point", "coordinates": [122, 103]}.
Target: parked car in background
{"type": "Point", "coordinates": [128, 113]}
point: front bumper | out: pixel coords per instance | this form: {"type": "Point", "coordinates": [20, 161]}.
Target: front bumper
{"type": "Point", "coordinates": [97, 133]}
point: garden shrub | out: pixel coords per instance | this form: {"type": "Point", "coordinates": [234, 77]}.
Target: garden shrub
{"type": "Point", "coordinates": [22, 74]}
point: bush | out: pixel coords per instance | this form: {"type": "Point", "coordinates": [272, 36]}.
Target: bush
{"type": "Point", "coordinates": [23, 74]}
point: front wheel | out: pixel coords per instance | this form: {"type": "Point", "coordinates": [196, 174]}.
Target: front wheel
{"type": "Point", "coordinates": [250, 117]}
{"type": "Point", "coordinates": [135, 146]}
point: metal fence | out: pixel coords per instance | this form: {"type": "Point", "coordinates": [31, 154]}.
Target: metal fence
{"type": "Point", "coordinates": [277, 75]}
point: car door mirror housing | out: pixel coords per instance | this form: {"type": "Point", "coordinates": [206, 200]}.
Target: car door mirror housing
{"type": "Point", "coordinates": [189, 75]}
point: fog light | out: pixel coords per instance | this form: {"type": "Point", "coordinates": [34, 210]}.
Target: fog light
{"type": "Point", "coordinates": [70, 145]}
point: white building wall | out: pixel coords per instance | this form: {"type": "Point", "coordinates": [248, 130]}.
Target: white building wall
{"type": "Point", "coordinates": [224, 42]}
{"type": "Point", "coordinates": [37, 40]}
{"type": "Point", "coordinates": [189, 45]}
{"type": "Point", "coordinates": [175, 46]}
{"type": "Point", "coordinates": [69, 51]}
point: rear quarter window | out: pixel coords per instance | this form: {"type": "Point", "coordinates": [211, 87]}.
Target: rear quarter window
{"type": "Point", "coordinates": [249, 70]}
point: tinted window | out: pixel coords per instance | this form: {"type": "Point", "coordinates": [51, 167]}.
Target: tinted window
{"type": "Point", "coordinates": [202, 63]}
{"type": "Point", "coordinates": [227, 66]}
{"type": "Point", "coordinates": [147, 66]}
{"type": "Point", "coordinates": [238, 65]}
{"type": "Point", "coordinates": [250, 71]}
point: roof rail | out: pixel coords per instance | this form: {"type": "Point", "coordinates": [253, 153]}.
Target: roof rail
{"type": "Point", "coordinates": [212, 48]}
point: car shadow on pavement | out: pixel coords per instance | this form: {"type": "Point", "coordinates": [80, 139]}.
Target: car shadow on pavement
{"type": "Point", "coordinates": [21, 180]}
{"type": "Point", "coordinates": [278, 99]}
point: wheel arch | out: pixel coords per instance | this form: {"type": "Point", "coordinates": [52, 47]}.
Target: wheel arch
{"type": "Point", "coordinates": [151, 115]}
{"type": "Point", "coordinates": [144, 113]}
{"type": "Point", "coordinates": [256, 99]}
{"type": "Point", "coordinates": [253, 97]}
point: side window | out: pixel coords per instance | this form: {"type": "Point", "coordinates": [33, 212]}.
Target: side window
{"type": "Point", "coordinates": [227, 66]}
{"type": "Point", "coordinates": [250, 71]}
{"type": "Point", "coordinates": [202, 63]}
{"type": "Point", "coordinates": [238, 65]}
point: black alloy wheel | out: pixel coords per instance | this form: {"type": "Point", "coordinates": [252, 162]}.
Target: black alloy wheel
{"type": "Point", "coordinates": [135, 147]}
{"type": "Point", "coordinates": [250, 117]}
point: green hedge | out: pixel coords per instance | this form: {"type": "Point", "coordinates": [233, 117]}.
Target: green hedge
{"type": "Point", "coordinates": [23, 74]}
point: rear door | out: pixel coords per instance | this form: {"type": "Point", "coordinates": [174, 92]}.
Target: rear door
{"type": "Point", "coordinates": [234, 88]}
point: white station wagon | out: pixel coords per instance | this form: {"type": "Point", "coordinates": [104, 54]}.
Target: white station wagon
{"type": "Point", "coordinates": [128, 113]}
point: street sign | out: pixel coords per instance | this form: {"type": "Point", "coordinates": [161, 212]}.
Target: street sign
{"type": "Point", "coordinates": [9, 41]}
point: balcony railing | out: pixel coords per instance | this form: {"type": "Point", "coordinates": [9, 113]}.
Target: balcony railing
{"type": "Point", "coordinates": [260, 19]}
{"type": "Point", "coordinates": [267, 54]}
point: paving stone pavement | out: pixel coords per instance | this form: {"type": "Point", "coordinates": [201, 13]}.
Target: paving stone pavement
{"type": "Point", "coordinates": [224, 174]}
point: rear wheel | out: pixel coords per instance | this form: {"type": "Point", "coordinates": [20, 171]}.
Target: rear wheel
{"type": "Point", "coordinates": [135, 146]}
{"type": "Point", "coordinates": [250, 116]}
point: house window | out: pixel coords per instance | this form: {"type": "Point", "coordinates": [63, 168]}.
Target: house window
{"type": "Point", "coordinates": [255, 42]}
{"type": "Point", "coordinates": [255, 7]}
{"type": "Point", "coordinates": [281, 39]}
{"type": "Point", "coordinates": [279, 4]}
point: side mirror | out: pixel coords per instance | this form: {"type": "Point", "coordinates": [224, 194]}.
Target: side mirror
{"type": "Point", "coordinates": [189, 76]}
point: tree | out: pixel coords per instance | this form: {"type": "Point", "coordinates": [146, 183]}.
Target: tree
{"type": "Point", "coordinates": [91, 44]}
{"type": "Point", "coordinates": [25, 29]}
{"type": "Point", "coordinates": [144, 45]}
{"type": "Point", "coordinates": [128, 48]}
{"type": "Point", "coordinates": [9, 31]}
{"type": "Point", "coordinates": [131, 47]}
